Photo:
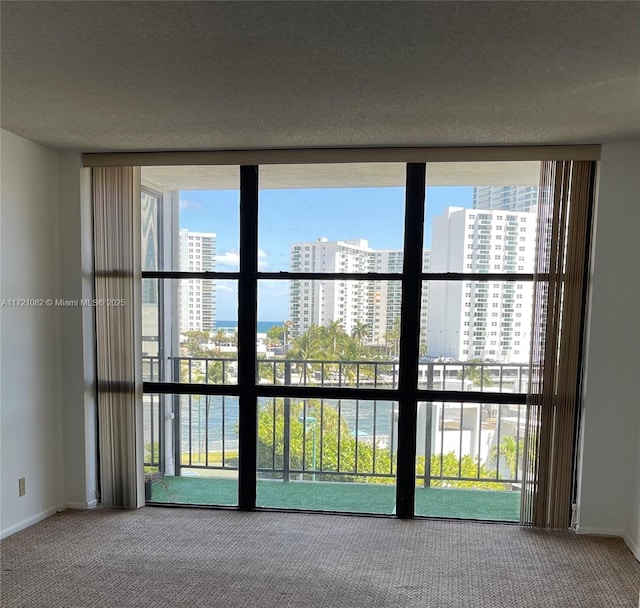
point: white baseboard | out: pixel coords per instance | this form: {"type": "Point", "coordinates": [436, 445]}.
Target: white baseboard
{"type": "Point", "coordinates": [599, 531]}
{"type": "Point", "coordinates": [30, 521]}
{"type": "Point", "coordinates": [634, 547]}
{"type": "Point", "coordinates": [91, 504]}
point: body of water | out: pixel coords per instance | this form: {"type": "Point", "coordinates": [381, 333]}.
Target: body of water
{"type": "Point", "coordinates": [218, 415]}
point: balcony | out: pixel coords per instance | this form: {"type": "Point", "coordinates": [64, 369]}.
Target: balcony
{"type": "Point", "coordinates": [340, 454]}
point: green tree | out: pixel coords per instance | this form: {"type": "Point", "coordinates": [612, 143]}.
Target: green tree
{"type": "Point", "coordinates": [332, 436]}
{"type": "Point", "coordinates": [268, 371]}
{"type": "Point", "coordinates": [216, 373]}
{"type": "Point", "coordinates": [276, 333]}
{"type": "Point", "coordinates": [195, 343]}
{"type": "Point", "coordinates": [335, 334]}
{"type": "Point", "coordinates": [450, 466]}
{"type": "Point", "coordinates": [360, 332]}
{"type": "Point", "coordinates": [306, 347]}
{"type": "Point", "coordinates": [476, 371]}
{"type": "Point", "coordinates": [392, 338]}
{"type": "Point", "coordinates": [351, 351]}
{"type": "Point", "coordinates": [334, 439]}
{"type": "Point", "coordinates": [192, 372]}
{"type": "Point", "coordinates": [220, 337]}
{"type": "Point", "coordinates": [510, 450]}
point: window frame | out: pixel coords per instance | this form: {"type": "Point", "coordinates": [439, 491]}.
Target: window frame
{"type": "Point", "coordinates": [407, 394]}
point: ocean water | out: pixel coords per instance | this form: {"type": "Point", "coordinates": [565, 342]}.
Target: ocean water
{"type": "Point", "coordinates": [263, 326]}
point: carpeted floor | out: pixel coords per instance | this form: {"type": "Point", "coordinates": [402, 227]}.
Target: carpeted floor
{"type": "Point", "coordinates": [347, 497]}
{"type": "Point", "coordinates": [196, 558]}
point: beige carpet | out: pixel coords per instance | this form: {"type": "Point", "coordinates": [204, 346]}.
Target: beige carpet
{"type": "Point", "coordinates": [161, 557]}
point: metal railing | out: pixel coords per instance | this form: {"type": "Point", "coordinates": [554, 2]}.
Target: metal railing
{"type": "Point", "coordinates": [458, 444]}
{"type": "Point", "coordinates": [436, 375]}
{"type": "Point", "coordinates": [152, 430]}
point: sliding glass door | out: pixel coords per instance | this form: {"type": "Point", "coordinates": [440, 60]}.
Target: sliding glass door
{"type": "Point", "coordinates": [342, 337]}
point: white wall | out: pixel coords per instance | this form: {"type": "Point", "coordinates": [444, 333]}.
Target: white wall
{"type": "Point", "coordinates": [632, 532]}
{"type": "Point", "coordinates": [77, 331]}
{"type": "Point", "coordinates": [47, 397]}
{"type": "Point", "coordinates": [31, 403]}
{"type": "Point", "coordinates": [608, 482]}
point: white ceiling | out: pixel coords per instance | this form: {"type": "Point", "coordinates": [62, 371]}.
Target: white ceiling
{"type": "Point", "coordinates": [125, 76]}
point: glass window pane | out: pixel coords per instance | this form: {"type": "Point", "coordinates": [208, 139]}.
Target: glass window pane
{"type": "Point", "coordinates": [476, 335]}
{"type": "Point", "coordinates": [150, 330]}
{"type": "Point", "coordinates": [469, 460]}
{"type": "Point", "coordinates": [346, 448]}
{"type": "Point", "coordinates": [332, 218]}
{"type": "Point", "coordinates": [336, 333]}
{"type": "Point", "coordinates": [150, 221]}
{"type": "Point", "coordinates": [190, 331]}
{"type": "Point", "coordinates": [196, 211]}
{"type": "Point", "coordinates": [481, 217]}
{"type": "Point", "coordinates": [202, 467]}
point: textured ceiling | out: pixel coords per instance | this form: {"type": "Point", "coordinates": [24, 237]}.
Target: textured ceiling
{"type": "Point", "coordinates": [124, 76]}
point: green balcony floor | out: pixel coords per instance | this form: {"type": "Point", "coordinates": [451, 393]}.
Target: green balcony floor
{"type": "Point", "coordinates": [346, 497]}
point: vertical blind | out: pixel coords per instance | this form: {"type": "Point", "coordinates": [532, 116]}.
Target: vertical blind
{"type": "Point", "coordinates": [566, 193]}
{"type": "Point", "coordinates": [116, 208]}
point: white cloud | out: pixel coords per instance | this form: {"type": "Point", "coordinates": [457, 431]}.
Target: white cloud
{"type": "Point", "coordinates": [223, 286]}
{"type": "Point", "coordinates": [187, 204]}
{"type": "Point", "coordinates": [231, 259]}
{"type": "Point", "coordinates": [261, 255]}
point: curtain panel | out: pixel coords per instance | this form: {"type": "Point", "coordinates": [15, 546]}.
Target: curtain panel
{"type": "Point", "coordinates": [116, 195]}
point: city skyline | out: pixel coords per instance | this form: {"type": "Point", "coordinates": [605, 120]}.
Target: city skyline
{"type": "Point", "coordinates": [289, 216]}
{"type": "Point", "coordinates": [490, 233]}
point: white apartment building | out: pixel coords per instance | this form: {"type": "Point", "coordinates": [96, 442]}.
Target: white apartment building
{"type": "Point", "coordinates": [376, 303]}
{"type": "Point", "coordinates": [506, 198]}
{"type": "Point", "coordinates": [197, 297]}
{"type": "Point", "coordinates": [388, 294]}
{"type": "Point", "coordinates": [471, 319]}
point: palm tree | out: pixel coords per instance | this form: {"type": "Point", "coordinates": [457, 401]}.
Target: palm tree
{"type": "Point", "coordinates": [392, 338]}
{"type": "Point", "coordinates": [266, 371]}
{"type": "Point", "coordinates": [307, 346]}
{"type": "Point", "coordinates": [219, 337]}
{"type": "Point", "coordinates": [195, 343]}
{"type": "Point", "coordinates": [475, 371]}
{"type": "Point", "coordinates": [509, 449]}
{"type": "Point", "coordinates": [286, 331]}
{"type": "Point", "coordinates": [214, 372]}
{"type": "Point", "coordinates": [335, 331]}
{"type": "Point", "coordinates": [350, 352]}
{"type": "Point", "coordinates": [360, 332]}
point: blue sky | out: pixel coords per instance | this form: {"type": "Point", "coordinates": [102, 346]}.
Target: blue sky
{"type": "Point", "coordinates": [289, 216]}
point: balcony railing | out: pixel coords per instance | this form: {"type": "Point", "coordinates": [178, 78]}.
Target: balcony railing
{"type": "Point", "coordinates": [436, 375]}
{"type": "Point", "coordinates": [458, 444]}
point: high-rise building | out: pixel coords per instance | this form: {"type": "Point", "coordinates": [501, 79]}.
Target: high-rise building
{"type": "Point", "coordinates": [149, 208]}
{"type": "Point", "coordinates": [506, 198]}
{"type": "Point", "coordinates": [197, 297]}
{"type": "Point", "coordinates": [481, 319]}
{"type": "Point", "coordinates": [372, 302]}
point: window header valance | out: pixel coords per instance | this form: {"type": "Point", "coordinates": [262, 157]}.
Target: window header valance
{"type": "Point", "coordinates": [344, 155]}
